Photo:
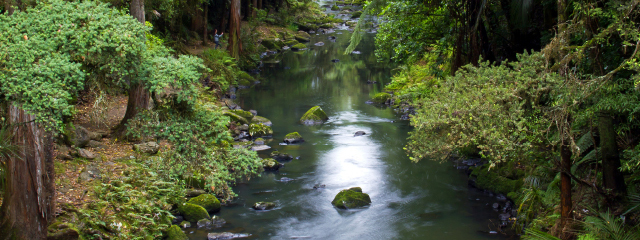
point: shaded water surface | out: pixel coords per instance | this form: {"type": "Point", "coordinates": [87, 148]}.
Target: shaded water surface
{"type": "Point", "coordinates": [425, 200]}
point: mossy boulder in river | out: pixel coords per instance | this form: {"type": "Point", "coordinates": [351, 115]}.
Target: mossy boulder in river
{"type": "Point", "coordinates": [175, 233]}
{"type": "Point", "coordinates": [263, 120]}
{"type": "Point", "coordinates": [356, 14]}
{"type": "Point", "coordinates": [264, 206]}
{"type": "Point", "coordinates": [192, 212]}
{"type": "Point", "coordinates": [269, 164]}
{"type": "Point", "coordinates": [299, 47]}
{"type": "Point", "coordinates": [351, 198]}
{"type": "Point", "coordinates": [491, 180]}
{"type": "Point", "coordinates": [381, 97]}
{"type": "Point", "coordinates": [315, 115]}
{"type": "Point", "coordinates": [245, 114]}
{"type": "Point", "coordinates": [272, 44]}
{"type": "Point", "coordinates": [207, 201]}
{"type": "Point", "coordinates": [291, 42]}
{"type": "Point", "coordinates": [335, 8]}
{"type": "Point", "coordinates": [293, 137]}
{"type": "Point", "coordinates": [235, 117]}
{"type": "Point", "coordinates": [303, 36]}
{"type": "Point", "coordinates": [260, 130]}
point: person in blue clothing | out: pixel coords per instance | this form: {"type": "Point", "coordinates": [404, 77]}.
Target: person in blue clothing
{"type": "Point", "coordinates": [216, 39]}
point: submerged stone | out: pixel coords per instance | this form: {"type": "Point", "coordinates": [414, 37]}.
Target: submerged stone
{"type": "Point", "coordinates": [264, 205]}
{"type": "Point", "coordinates": [299, 47]}
{"type": "Point", "coordinates": [226, 235]}
{"type": "Point", "coordinates": [351, 198]}
{"type": "Point", "coordinates": [270, 164]}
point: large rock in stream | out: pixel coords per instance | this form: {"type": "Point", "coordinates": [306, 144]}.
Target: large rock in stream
{"type": "Point", "coordinates": [293, 137]}
{"type": "Point", "coordinates": [226, 235]}
{"type": "Point", "coordinates": [351, 198]}
{"type": "Point", "coordinates": [315, 115]}
{"type": "Point", "coordinates": [207, 201]}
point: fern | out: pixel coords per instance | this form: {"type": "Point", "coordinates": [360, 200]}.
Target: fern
{"type": "Point", "coordinates": [608, 226]}
{"type": "Point", "coordinates": [589, 158]}
{"type": "Point", "coordinates": [585, 142]}
{"type": "Point", "coordinates": [535, 234]}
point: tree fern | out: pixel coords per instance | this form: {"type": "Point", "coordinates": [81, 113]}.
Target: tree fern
{"type": "Point", "coordinates": [535, 234]}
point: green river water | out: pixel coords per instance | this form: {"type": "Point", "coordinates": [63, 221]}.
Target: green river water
{"type": "Point", "coordinates": [425, 200]}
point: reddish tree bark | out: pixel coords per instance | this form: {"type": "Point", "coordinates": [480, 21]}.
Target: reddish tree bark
{"type": "Point", "coordinates": [235, 44]}
{"type": "Point", "coordinates": [254, 5]}
{"type": "Point", "coordinates": [565, 185]}
{"type": "Point", "coordinates": [28, 202]}
{"type": "Point", "coordinates": [206, 25]}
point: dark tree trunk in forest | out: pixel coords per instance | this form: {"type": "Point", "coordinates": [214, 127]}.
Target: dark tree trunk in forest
{"type": "Point", "coordinates": [8, 7]}
{"type": "Point", "coordinates": [138, 95]}
{"type": "Point", "coordinates": [28, 204]}
{"type": "Point", "coordinates": [206, 25]}
{"type": "Point", "coordinates": [565, 185]}
{"type": "Point", "coordinates": [612, 178]}
{"type": "Point", "coordinates": [254, 6]}
{"type": "Point", "coordinates": [235, 44]}
{"type": "Point", "coordinates": [259, 4]}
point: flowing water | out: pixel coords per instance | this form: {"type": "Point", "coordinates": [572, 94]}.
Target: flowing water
{"type": "Point", "coordinates": [425, 200]}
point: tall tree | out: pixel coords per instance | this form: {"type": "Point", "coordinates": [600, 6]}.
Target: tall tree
{"type": "Point", "coordinates": [138, 94]}
{"type": "Point", "coordinates": [235, 43]}
{"type": "Point", "coordinates": [612, 178]}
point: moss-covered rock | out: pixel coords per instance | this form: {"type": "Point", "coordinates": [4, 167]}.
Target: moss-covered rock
{"type": "Point", "coordinates": [235, 117]}
{"type": "Point", "coordinates": [264, 206]}
{"type": "Point", "coordinates": [63, 231]}
{"type": "Point", "coordinates": [381, 97]}
{"type": "Point", "coordinates": [326, 25]}
{"type": "Point", "coordinates": [260, 130]}
{"type": "Point", "coordinates": [303, 36]}
{"type": "Point", "coordinates": [293, 137]}
{"type": "Point", "coordinates": [351, 198]}
{"type": "Point", "coordinates": [492, 181]}
{"type": "Point", "coordinates": [175, 233]}
{"type": "Point", "coordinates": [335, 8]}
{"type": "Point", "coordinates": [272, 44]}
{"type": "Point", "coordinates": [291, 42]}
{"type": "Point", "coordinates": [299, 47]}
{"type": "Point", "coordinates": [76, 135]}
{"type": "Point", "coordinates": [245, 114]}
{"type": "Point", "coordinates": [356, 14]}
{"type": "Point", "coordinates": [263, 120]}
{"type": "Point", "coordinates": [244, 82]}
{"type": "Point", "coordinates": [192, 212]}
{"type": "Point", "coordinates": [270, 164]}
{"type": "Point", "coordinates": [315, 115]}
{"type": "Point", "coordinates": [207, 201]}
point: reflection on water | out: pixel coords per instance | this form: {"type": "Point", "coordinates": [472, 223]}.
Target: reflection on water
{"type": "Point", "coordinates": [426, 200]}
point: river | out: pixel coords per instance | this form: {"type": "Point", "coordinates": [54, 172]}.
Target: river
{"type": "Point", "coordinates": [425, 200]}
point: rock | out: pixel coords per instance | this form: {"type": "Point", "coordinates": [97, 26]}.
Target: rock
{"type": "Point", "coordinates": [148, 148]}
{"type": "Point", "coordinates": [64, 153]}
{"type": "Point", "coordinates": [175, 233]}
{"type": "Point", "coordinates": [185, 224]}
{"type": "Point", "coordinates": [207, 201]}
{"type": "Point", "coordinates": [331, 38]}
{"type": "Point", "coordinates": [90, 172]}
{"type": "Point", "coordinates": [96, 144]}
{"type": "Point", "coordinates": [356, 52]}
{"type": "Point", "coordinates": [260, 148]}
{"type": "Point", "coordinates": [319, 44]}
{"type": "Point", "coordinates": [226, 235]}
{"type": "Point", "coordinates": [177, 220]}
{"type": "Point", "coordinates": [351, 198]}
{"type": "Point", "coordinates": [235, 117]}
{"type": "Point", "coordinates": [281, 157]}
{"type": "Point", "coordinates": [259, 141]}
{"type": "Point", "coordinates": [293, 137]}
{"type": "Point", "coordinates": [254, 112]}
{"type": "Point", "coordinates": [245, 114]}
{"type": "Point", "coordinates": [230, 104]}
{"type": "Point", "coordinates": [312, 32]}
{"type": "Point", "coordinates": [318, 186]}
{"type": "Point", "coordinates": [381, 98]}
{"type": "Point", "coordinates": [359, 133]}
{"type": "Point", "coordinates": [285, 179]}
{"type": "Point", "coordinates": [97, 136]}
{"type": "Point", "coordinates": [315, 115]}
{"type": "Point", "coordinates": [217, 221]}
{"type": "Point", "coordinates": [496, 205]}
{"type": "Point", "coordinates": [76, 135]}
{"type": "Point", "coordinates": [260, 130]}
{"type": "Point", "coordinates": [504, 216]}
{"type": "Point", "coordinates": [290, 43]}
{"type": "Point", "coordinates": [264, 206]}
{"type": "Point", "coordinates": [203, 223]}
{"type": "Point", "coordinates": [64, 234]}
{"type": "Point", "coordinates": [269, 164]}
{"type": "Point", "coordinates": [195, 192]}
{"type": "Point", "coordinates": [192, 212]}
{"type": "Point", "coordinates": [299, 47]}
{"type": "Point", "coordinates": [243, 127]}
{"type": "Point", "coordinates": [272, 44]}
{"type": "Point", "coordinates": [84, 153]}
{"type": "Point", "coordinates": [335, 60]}
{"type": "Point", "coordinates": [263, 120]}
{"type": "Point", "coordinates": [335, 8]}
{"type": "Point", "coordinates": [356, 14]}
{"type": "Point", "coordinates": [303, 37]}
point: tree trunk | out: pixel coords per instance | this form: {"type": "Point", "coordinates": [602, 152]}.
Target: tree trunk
{"type": "Point", "coordinates": [612, 178]}
{"type": "Point", "coordinates": [235, 44]}
{"type": "Point", "coordinates": [206, 25]}
{"type": "Point", "coordinates": [254, 6]}
{"type": "Point", "coordinates": [138, 101]}
{"type": "Point", "coordinates": [28, 202]}
{"type": "Point", "coordinates": [137, 10]}
{"type": "Point", "coordinates": [7, 7]}
{"type": "Point", "coordinates": [565, 185]}
{"type": "Point", "coordinates": [259, 4]}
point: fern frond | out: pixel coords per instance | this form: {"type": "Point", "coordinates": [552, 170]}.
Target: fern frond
{"type": "Point", "coordinates": [535, 234]}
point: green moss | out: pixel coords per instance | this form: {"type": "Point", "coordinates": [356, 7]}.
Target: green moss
{"type": "Point", "coordinates": [259, 129]}
{"type": "Point", "coordinates": [245, 114]}
{"type": "Point", "coordinates": [272, 44]}
{"type": "Point", "coordinates": [175, 233]}
{"type": "Point", "coordinates": [335, 8]}
{"type": "Point", "coordinates": [381, 97]}
{"type": "Point", "coordinates": [291, 42]}
{"type": "Point", "coordinates": [195, 181]}
{"type": "Point", "coordinates": [192, 212]}
{"type": "Point", "coordinates": [299, 46]}
{"type": "Point", "coordinates": [492, 181]}
{"type": "Point", "coordinates": [293, 135]}
{"type": "Point", "coordinates": [235, 117]}
{"type": "Point", "coordinates": [349, 198]}
{"type": "Point", "coordinates": [303, 37]}
{"type": "Point", "coordinates": [270, 164]}
{"type": "Point", "coordinates": [244, 82]}
{"type": "Point", "coordinates": [207, 201]}
{"type": "Point", "coordinates": [263, 120]}
{"type": "Point", "coordinates": [314, 115]}
{"type": "Point", "coordinates": [242, 75]}
{"type": "Point", "coordinates": [356, 14]}
{"type": "Point", "coordinates": [326, 25]}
